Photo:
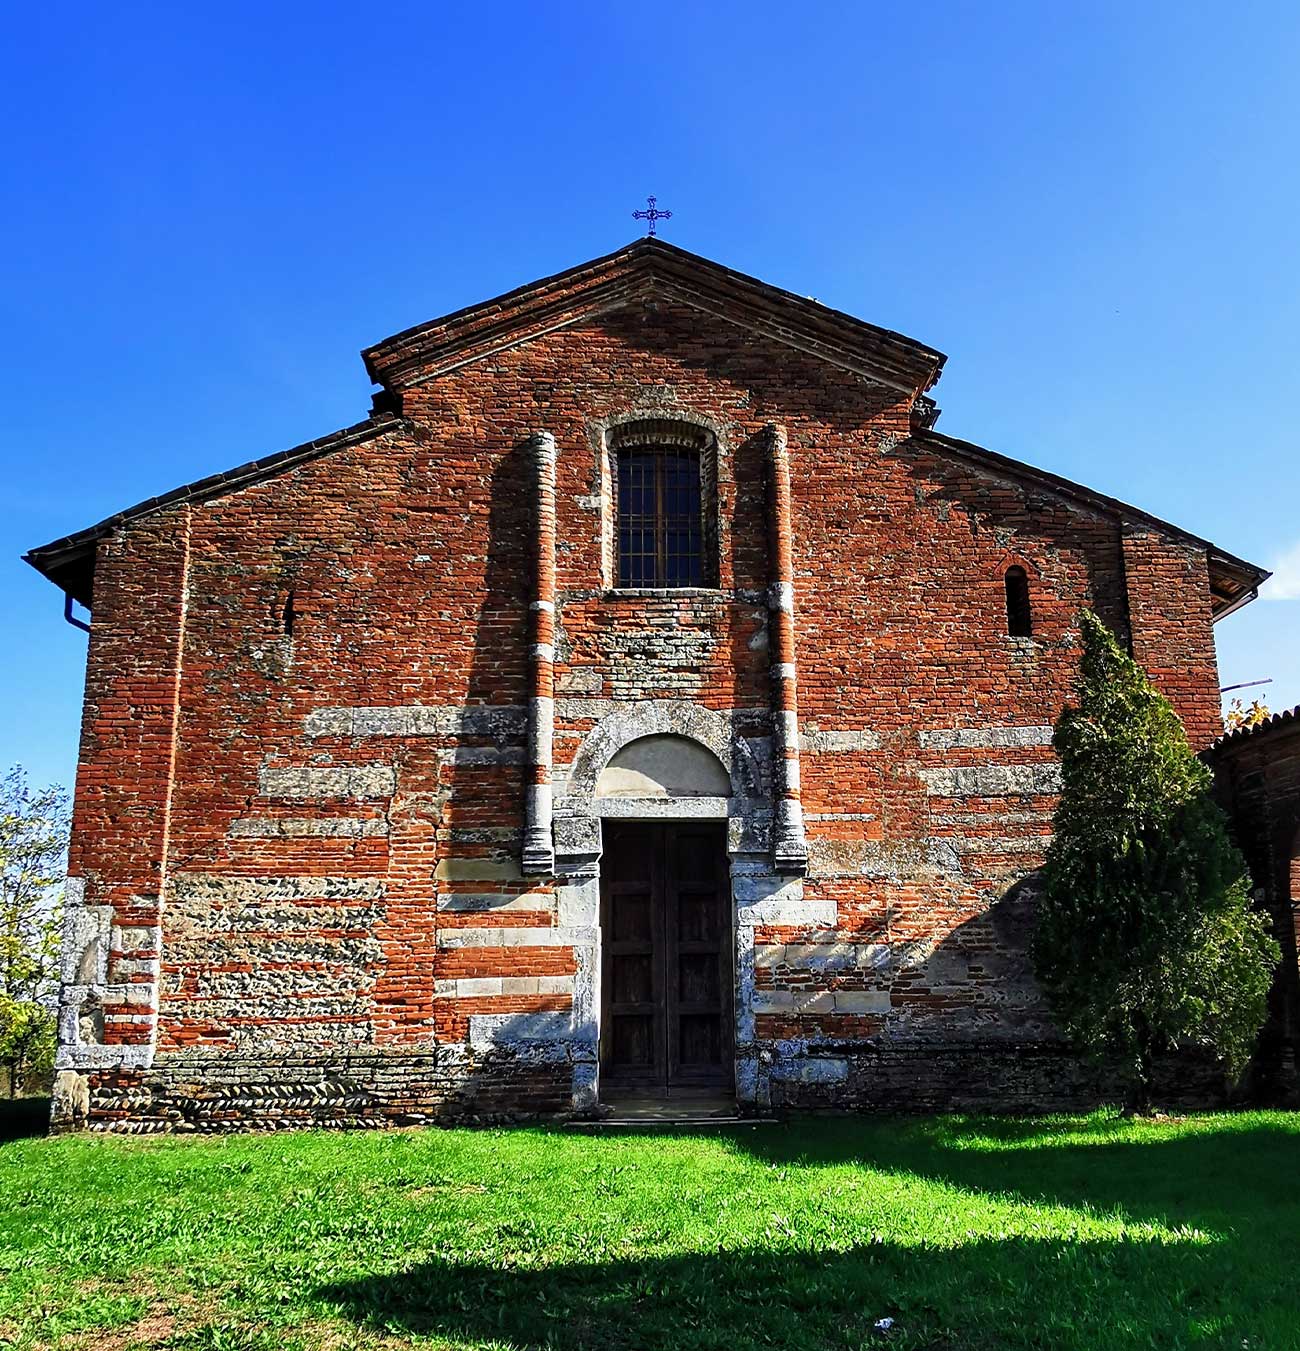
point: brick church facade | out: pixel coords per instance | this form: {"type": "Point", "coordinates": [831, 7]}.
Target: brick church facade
{"type": "Point", "coordinates": [645, 700]}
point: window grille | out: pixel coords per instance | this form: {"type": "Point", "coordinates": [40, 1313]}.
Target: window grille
{"type": "Point", "coordinates": [659, 515]}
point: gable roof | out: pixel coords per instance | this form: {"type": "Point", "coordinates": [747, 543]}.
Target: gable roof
{"type": "Point", "coordinates": [651, 267]}
{"type": "Point", "coordinates": [641, 269]}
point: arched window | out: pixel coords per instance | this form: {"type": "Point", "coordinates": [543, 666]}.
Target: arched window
{"type": "Point", "coordinates": [662, 475]}
{"type": "Point", "coordinates": [1020, 622]}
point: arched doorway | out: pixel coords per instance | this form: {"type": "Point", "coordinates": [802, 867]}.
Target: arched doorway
{"type": "Point", "coordinates": [666, 924]}
{"type": "Point", "coordinates": [670, 786]}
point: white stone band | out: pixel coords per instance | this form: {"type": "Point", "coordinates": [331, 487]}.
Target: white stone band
{"type": "Point", "coordinates": [541, 728]}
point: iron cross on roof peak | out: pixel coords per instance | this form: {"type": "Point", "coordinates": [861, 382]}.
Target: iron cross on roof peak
{"type": "Point", "coordinates": [651, 214]}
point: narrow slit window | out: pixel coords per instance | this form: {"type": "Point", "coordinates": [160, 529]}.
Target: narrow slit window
{"type": "Point", "coordinates": [659, 514]}
{"type": "Point", "coordinates": [1020, 623]}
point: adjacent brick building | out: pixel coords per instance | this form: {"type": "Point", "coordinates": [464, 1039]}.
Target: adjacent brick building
{"type": "Point", "coordinates": [1257, 779]}
{"type": "Point", "coordinates": [644, 700]}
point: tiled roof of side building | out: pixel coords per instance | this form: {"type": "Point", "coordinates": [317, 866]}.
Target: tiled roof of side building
{"type": "Point", "coordinates": [1288, 718]}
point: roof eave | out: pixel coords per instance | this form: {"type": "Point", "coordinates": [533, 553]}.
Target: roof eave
{"type": "Point", "coordinates": [73, 572]}
{"type": "Point", "coordinates": [1287, 720]}
{"type": "Point", "coordinates": [1244, 578]}
{"type": "Point", "coordinates": [63, 561]}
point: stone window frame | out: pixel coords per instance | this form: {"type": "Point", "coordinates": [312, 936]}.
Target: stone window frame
{"type": "Point", "coordinates": [674, 429]}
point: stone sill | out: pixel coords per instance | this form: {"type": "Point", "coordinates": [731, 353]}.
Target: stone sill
{"type": "Point", "coordinates": [666, 593]}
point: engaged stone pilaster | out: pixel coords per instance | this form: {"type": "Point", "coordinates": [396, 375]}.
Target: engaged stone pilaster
{"type": "Point", "coordinates": [109, 984]}
{"type": "Point", "coordinates": [789, 845]}
{"type": "Point", "coordinates": [539, 849]}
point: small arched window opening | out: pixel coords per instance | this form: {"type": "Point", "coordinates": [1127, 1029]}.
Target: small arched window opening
{"type": "Point", "coordinates": [1020, 623]}
{"type": "Point", "coordinates": [288, 615]}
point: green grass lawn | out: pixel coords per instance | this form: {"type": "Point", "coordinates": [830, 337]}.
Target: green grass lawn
{"type": "Point", "coordinates": [1085, 1232]}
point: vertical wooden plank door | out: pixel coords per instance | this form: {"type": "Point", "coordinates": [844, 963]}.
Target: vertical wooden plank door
{"type": "Point", "coordinates": [666, 968]}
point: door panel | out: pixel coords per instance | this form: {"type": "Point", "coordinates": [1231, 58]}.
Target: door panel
{"type": "Point", "coordinates": [632, 978]}
{"type": "Point", "coordinates": [666, 957]}
{"type": "Point", "coordinates": [698, 940]}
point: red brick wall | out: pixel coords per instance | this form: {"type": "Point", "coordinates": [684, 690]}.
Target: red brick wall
{"type": "Point", "coordinates": [122, 808]}
{"type": "Point", "coordinates": [320, 918]}
{"type": "Point", "coordinates": [1169, 615]}
{"type": "Point", "coordinates": [1257, 779]}
{"type": "Point", "coordinates": [129, 714]}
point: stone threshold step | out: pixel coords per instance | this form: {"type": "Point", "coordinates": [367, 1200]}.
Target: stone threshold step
{"type": "Point", "coordinates": [670, 1120]}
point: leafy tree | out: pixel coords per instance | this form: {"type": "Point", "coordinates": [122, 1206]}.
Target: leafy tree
{"type": "Point", "coordinates": [33, 845]}
{"type": "Point", "coordinates": [1146, 938]}
{"type": "Point", "coordinates": [1243, 715]}
{"type": "Point", "coordinates": [27, 1043]}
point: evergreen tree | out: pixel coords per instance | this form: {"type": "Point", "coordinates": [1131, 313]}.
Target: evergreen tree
{"type": "Point", "coordinates": [1146, 938]}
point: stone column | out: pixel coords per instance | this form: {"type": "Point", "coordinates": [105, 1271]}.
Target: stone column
{"type": "Point", "coordinates": [539, 850]}
{"type": "Point", "coordinates": [789, 846]}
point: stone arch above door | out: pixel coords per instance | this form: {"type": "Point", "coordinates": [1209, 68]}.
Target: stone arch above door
{"type": "Point", "coordinates": [577, 812]}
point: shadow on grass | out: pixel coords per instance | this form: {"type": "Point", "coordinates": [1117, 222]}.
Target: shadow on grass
{"type": "Point", "coordinates": [1214, 1269]}
{"type": "Point", "coordinates": [23, 1118]}
{"type": "Point", "coordinates": [1222, 1175]}
{"type": "Point", "coordinates": [984, 1294]}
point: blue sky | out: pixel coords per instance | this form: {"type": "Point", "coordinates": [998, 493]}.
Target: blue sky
{"type": "Point", "coordinates": [208, 210]}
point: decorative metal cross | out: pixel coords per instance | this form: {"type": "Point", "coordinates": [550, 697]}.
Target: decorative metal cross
{"type": "Point", "coordinates": [651, 215]}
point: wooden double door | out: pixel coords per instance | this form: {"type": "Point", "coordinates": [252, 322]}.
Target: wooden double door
{"type": "Point", "coordinates": [666, 960]}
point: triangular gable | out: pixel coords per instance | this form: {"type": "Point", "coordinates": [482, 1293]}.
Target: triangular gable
{"type": "Point", "coordinates": [651, 268]}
